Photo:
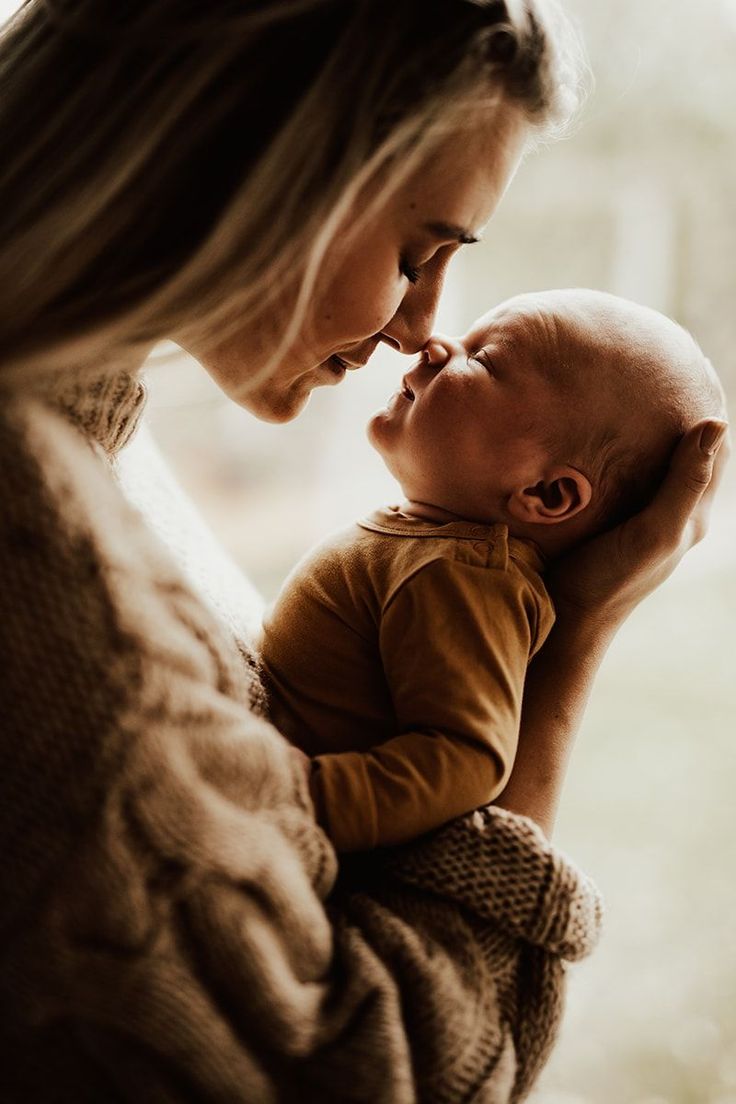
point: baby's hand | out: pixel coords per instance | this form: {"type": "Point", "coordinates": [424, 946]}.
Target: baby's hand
{"type": "Point", "coordinates": [306, 765]}
{"type": "Point", "coordinates": [604, 579]}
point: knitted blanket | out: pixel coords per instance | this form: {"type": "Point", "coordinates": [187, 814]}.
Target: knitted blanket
{"type": "Point", "coordinates": [174, 926]}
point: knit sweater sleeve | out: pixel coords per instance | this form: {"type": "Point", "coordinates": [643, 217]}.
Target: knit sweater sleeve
{"type": "Point", "coordinates": [492, 911]}
{"type": "Point", "coordinates": [164, 928]}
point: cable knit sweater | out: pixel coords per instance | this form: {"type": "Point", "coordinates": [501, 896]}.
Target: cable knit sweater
{"type": "Point", "coordinates": [174, 927]}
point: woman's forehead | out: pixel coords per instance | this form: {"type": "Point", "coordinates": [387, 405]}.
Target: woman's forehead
{"type": "Point", "coordinates": [463, 179]}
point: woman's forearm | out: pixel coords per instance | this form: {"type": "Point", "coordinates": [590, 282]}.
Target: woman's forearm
{"type": "Point", "coordinates": [556, 693]}
{"type": "Point", "coordinates": [594, 589]}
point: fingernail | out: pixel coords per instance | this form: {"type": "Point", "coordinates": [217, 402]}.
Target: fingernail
{"type": "Point", "coordinates": [712, 436]}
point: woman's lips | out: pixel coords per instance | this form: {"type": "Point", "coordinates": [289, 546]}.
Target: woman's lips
{"type": "Point", "coordinates": [339, 365]}
{"type": "Point", "coordinates": [406, 390]}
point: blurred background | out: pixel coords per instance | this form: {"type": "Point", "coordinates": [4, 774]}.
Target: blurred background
{"type": "Point", "coordinates": [641, 201]}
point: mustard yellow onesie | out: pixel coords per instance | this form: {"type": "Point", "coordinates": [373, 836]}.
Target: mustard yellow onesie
{"type": "Point", "coordinates": [395, 655]}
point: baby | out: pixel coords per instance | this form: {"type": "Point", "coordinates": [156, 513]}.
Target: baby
{"type": "Point", "coordinates": [396, 652]}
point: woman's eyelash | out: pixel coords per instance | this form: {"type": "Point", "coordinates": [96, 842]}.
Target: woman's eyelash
{"type": "Point", "coordinates": [412, 274]}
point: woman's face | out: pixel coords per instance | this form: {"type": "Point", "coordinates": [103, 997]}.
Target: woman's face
{"type": "Point", "coordinates": [382, 284]}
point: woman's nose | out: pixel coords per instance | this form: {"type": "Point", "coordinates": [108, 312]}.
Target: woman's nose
{"type": "Point", "coordinates": [411, 327]}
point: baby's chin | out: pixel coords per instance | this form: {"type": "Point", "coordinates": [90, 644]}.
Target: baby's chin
{"type": "Point", "coordinates": [373, 432]}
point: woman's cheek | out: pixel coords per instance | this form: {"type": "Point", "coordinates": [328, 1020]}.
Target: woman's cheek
{"type": "Point", "coordinates": [363, 298]}
{"type": "Point", "coordinates": [381, 293]}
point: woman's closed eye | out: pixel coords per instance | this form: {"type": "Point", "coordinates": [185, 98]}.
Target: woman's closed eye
{"type": "Point", "coordinates": [434, 256]}
{"type": "Point", "coordinates": [412, 272]}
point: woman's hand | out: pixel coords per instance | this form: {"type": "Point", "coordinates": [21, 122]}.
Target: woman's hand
{"type": "Point", "coordinates": [603, 580]}
{"type": "Point", "coordinates": [595, 588]}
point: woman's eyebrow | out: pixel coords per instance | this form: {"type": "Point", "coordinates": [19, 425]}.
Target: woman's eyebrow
{"type": "Point", "coordinates": [450, 230]}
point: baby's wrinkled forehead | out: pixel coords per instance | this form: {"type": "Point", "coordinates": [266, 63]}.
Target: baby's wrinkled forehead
{"type": "Point", "coordinates": [528, 328]}
{"type": "Point", "coordinates": [580, 336]}
{"type": "Point", "coordinates": [604, 353]}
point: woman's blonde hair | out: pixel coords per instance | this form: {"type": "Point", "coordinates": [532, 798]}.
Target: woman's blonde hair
{"type": "Point", "coordinates": [167, 167]}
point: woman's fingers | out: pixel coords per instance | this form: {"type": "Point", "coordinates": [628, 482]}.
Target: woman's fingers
{"type": "Point", "coordinates": [721, 445]}
{"type": "Point", "coordinates": [677, 516]}
{"type": "Point", "coordinates": [607, 577]}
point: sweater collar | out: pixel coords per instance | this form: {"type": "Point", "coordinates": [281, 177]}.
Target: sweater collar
{"type": "Point", "coordinates": [105, 405]}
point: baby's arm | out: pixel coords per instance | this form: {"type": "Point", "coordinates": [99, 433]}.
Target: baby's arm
{"type": "Point", "coordinates": [455, 643]}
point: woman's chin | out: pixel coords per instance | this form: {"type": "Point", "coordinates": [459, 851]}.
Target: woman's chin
{"type": "Point", "coordinates": [278, 401]}
{"type": "Point", "coordinates": [281, 404]}
{"type": "Point", "coordinates": [276, 409]}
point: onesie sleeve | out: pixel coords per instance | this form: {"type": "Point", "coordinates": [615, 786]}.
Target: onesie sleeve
{"type": "Point", "coordinates": [455, 642]}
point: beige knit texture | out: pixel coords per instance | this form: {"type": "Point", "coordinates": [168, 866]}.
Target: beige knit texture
{"type": "Point", "coordinates": [170, 924]}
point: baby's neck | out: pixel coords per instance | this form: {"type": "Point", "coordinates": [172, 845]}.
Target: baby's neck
{"type": "Point", "coordinates": [427, 511]}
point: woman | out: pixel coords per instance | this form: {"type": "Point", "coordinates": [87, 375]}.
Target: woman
{"type": "Point", "coordinates": [278, 187]}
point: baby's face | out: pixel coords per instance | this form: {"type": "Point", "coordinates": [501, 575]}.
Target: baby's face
{"type": "Point", "coordinates": [469, 423]}
{"type": "Point", "coordinates": [547, 394]}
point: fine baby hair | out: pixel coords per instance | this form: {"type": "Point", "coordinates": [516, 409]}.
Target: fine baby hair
{"type": "Point", "coordinates": [631, 382]}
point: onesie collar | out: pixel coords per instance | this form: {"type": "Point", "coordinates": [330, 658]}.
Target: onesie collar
{"type": "Point", "coordinates": [391, 521]}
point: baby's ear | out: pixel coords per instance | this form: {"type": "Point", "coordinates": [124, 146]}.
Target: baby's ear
{"type": "Point", "coordinates": [563, 493]}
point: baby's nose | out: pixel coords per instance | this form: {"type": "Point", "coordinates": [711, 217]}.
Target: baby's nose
{"type": "Point", "coordinates": [435, 351]}
{"type": "Point", "coordinates": [440, 350]}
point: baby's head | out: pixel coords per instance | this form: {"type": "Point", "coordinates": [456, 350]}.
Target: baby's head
{"type": "Point", "coordinates": [556, 413]}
